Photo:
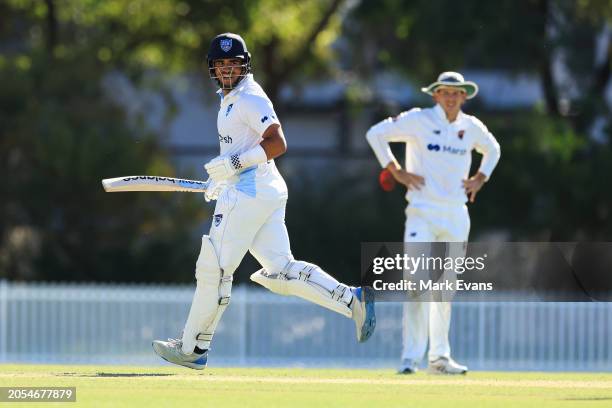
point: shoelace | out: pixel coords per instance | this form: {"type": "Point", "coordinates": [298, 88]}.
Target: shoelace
{"type": "Point", "coordinates": [175, 342]}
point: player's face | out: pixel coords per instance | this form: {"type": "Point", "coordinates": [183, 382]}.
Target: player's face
{"type": "Point", "coordinates": [450, 99]}
{"type": "Point", "coordinates": [228, 71]}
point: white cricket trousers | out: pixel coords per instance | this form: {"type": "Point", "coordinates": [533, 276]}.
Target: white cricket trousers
{"type": "Point", "coordinates": [242, 223]}
{"type": "Point", "coordinates": [431, 222]}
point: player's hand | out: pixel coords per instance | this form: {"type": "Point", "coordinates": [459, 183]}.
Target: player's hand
{"type": "Point", "coordinates": [410, 180]}
{"type": "Point", "coordinates": [213, 190]}
{"type": "Point", "coordinates": [473, 185]}
{"type": "Point", "coordinates": [220, 168]}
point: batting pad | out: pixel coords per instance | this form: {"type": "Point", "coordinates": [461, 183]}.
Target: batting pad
{"type": "Point", "coordinates": [211, 297]}
{"type": "Point", "coordinates": [309, 282]}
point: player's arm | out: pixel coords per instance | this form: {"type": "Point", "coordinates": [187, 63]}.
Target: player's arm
{"type": "Point", "coordinates": [397, 129]}
{"type": "Point", "coordinates": [273, 143]}
{"type": "Point", "coordinates": [381, 134]}
{"type": "Point", "coordinates": [491, 152]}
{"type": "Point", "coordinates": [410, 180]}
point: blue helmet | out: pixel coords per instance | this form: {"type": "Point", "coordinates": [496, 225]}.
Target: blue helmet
{"type": "Point", "coordinates": [228, 45]}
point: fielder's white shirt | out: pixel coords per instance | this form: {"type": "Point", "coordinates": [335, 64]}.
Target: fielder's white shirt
{"type": "Point", "coordinates": [437, 150]}
{"type": "Point", "coordinates": [244, 115]}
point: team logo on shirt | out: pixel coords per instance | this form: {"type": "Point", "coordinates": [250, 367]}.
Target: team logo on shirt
{"type": "Point", "coordinates": [218, 218]}
{"type": "Point", "coordinates": [265, 118]}
{"type": "Point", "coordinates": [226, 44]}
{"type": "Point", "coordinates": [460, 134]}
{"type": "Point", "coordinates": [229, 108]}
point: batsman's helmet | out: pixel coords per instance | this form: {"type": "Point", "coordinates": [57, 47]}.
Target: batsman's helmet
{"type": "Point", "coordinates": [228, 45]}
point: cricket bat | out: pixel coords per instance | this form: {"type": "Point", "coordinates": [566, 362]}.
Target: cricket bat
{"type": "Point", "coordinates": [153, 183]}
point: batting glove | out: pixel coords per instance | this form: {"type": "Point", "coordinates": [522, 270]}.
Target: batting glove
{"type": "Point", "coordinates": [213, 190]}
{"type": "Point", "coordinates": [221, 168]}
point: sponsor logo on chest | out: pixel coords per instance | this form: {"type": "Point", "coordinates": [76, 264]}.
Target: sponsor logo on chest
{"type": "Point", "coordinates": [225, 139]}
{"type": "Point", "coordinates": [434, 147]}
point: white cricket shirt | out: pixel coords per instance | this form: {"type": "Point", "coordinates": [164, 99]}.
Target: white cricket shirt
{"type": "Point", "coordinates": [244, 115]}
{"type": "Point", "coordinates": [437, 150]}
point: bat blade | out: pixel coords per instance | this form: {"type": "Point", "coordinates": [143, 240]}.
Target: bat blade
{"type": "Point", "coordinates": [153, 183]}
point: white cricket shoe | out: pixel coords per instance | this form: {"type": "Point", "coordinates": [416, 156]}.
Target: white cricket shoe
{"type": "Point", "coordinates": [445, 365]}
{"type": "Point", "coordinates": [172, 352]}
{"type": "Point", "coordinates": [362, 308]}
{"type": "Point", "coordinates": [408, 366]}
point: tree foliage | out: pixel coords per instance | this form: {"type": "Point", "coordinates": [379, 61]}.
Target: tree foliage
{"type": "Point", "coordinates": [61, 132]}
{"type": "Point", "coordinates": [422, 38]}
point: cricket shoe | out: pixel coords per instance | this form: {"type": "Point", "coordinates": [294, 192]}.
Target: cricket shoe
{"type": "Point", "coordinates": [362, 308]}
{"type": "Point", "coordinates": [444, 365]}
{"type": "Point", "coordinates": [172, 352]}
{"type": "Point", "coordinates": [408, 366]}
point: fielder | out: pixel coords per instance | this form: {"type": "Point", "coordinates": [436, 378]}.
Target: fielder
{"type": "Point", "coordinates": [439, 143]}
{"type": "Point", "coordinates": [250, 215]}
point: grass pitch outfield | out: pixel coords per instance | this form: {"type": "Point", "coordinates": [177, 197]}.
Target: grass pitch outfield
{"type": "Point", "coordinates": [111, 386]}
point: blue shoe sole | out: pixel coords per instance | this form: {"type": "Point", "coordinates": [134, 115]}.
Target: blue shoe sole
{"type": "Point", "coordinates": [369, 324]}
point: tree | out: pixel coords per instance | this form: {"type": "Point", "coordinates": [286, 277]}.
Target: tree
{"type": "Point", "coordinates": [421, 38]}
{"type": "Point", "coordinates": [60, 132]}
{"type": "Point", "coordinates": [286, 39]}
{"type": "Point", "coordinates": [549, 181]}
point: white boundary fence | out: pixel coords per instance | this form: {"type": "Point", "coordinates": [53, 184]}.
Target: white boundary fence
{"type": "Point", "coordinates": [115, 324]}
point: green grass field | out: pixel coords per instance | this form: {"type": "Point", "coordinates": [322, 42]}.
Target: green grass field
{"type": "Point", "coordinates": [112, 386]}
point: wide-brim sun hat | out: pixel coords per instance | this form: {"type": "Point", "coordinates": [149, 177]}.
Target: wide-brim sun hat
{"type": "Point", "coordinates": [455, 80]}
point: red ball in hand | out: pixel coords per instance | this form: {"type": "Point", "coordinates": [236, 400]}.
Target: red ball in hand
{"type": "Point", "coordinates": [386, 180]}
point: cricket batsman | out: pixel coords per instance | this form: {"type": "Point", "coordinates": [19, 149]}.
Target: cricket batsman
{"type": "Point", "coordinates": [439, 143]}
{"type": "Point", "coordinates": [250, 215]}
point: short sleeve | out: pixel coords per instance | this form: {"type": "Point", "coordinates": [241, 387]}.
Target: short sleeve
{"type": "Point", "coordinates": [258, 113]}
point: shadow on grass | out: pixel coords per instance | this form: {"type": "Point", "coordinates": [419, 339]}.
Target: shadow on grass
{"type": "Point", "coordinates": [588, 399]}
{"type": "Point", "coordinates": [115, 375]}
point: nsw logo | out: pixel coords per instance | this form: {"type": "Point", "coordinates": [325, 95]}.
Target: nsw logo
{"type": "Point", "coordinates": [460, 134]}
{"type": "Point", "coordinates": [229, 108]}
{"type": "Point", "coordinates": [225, 44]}
{"type": "Point", "coordinates": [217, 219]}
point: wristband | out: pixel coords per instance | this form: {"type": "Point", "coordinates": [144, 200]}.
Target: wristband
{"type": "Point", "coordinates": [249, 158]}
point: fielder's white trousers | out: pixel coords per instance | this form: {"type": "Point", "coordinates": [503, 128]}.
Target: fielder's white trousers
{"type": "Point", "coordinates": [431, 222]}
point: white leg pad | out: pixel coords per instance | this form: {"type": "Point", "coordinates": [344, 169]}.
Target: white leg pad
{"type": "Point", "coordinates": [309, 282]}
{"type": "Point", "coordinates": [212, 295]}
